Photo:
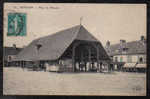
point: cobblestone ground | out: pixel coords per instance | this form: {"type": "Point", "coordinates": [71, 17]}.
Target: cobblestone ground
{"type": "Point", "coordinates": [17, 81]}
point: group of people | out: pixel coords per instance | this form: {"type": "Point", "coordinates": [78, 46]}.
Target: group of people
{"type": "Point", "coordinates": [79, 66]}
{"type": "Point", "coordinates": [93, 66]}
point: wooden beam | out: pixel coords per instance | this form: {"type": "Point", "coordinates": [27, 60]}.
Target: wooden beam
{"type": "Point", "coordinates": [98, 58]}
{"type": "Point", "coordinates": [89, 57]}
{"type": "Point", "coordinates": [97, 50]}
{"type": "Point", "coordinates": [73, 55]}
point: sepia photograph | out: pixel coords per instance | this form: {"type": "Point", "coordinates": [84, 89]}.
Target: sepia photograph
{"type": "Point", "coordinates": [74, 49]}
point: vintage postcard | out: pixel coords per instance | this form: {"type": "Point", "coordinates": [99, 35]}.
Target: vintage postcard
{"type": "Point", "coordinates": [74, 49]}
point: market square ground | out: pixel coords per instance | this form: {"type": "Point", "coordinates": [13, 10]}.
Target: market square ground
{"type": "Point", "coordinates": [17, 81]}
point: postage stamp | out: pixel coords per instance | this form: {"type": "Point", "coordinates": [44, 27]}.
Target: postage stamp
{"type": "Point", "coordinates": [16, 24]}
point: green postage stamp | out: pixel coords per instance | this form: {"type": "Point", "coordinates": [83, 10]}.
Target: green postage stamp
{"type": "Point", "coordinates": [16, 24]}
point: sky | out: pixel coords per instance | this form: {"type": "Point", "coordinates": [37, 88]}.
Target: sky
{"type": "Point", "coordinates": [104, 21]}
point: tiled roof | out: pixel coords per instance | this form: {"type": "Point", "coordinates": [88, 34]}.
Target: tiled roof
{"type": "Point", "coordinates": [133, 47]}
{"type": "Point", "coordinates": [53, 46]}
{"type": "Point", "coordinates": [10, 51]}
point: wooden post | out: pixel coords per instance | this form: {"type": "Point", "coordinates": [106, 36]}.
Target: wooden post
{"type": "Point", "coordinates": [98, 58]}
{"type": "Point", "coordinates": [73, 57]}
{"type": "Point", "coordinates": [79, 66]}
{"type": "Point", "coordinates": [89, 58]}
{"type": "Point", "coordinates": [108, 64]}
{"type": "Point", "coordinates": [85, 66]}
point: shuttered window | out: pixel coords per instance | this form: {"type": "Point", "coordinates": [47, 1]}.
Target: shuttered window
{"type": "Point", "coordinates": [121, 59]}
{"type": "Point", "coordinates": [129, 58]}
{"type": "Point", "coordinates": [116, 59]}
{"type": "Point", "coordinates": [140, 59]}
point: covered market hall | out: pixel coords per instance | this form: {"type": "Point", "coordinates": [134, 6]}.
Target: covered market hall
{"type": "Point", "coordinates": [69, 50]}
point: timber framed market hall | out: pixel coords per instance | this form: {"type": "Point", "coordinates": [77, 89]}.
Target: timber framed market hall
{"type": "Point", "coordinates": [70, 50]}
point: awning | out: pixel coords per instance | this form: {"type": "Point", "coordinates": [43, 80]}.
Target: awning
{"type": "Point", "coordinates": [119, 63]}
{"type": "Point", "coordinates": [141, 66]}
{"type": "Point", "coordinates": [129, 65]}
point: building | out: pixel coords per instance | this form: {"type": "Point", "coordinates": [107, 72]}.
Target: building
{"type": "Point", "coordinates": [129, 56]}
{"type": "Point", "coordinates": [9, 54]}
{"type": "Point", "coordinates": [73, 49]}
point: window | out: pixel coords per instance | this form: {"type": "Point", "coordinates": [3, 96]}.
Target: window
{"type": "Point", "coordinates": [116, 59]}
{"type": "Point", "coordinates": [38, 46]}
{"type": "Point", "coordinates": [141, 60]}
{"type": "Point", "coordinates": [9, 58]}
{"type": "Point", "coordinates": [125, 49]}
{"type": "Point", "coordinates": [117, 50]}
{"type": "Point", "coordinates": [129, 58]}
{"type": "Point", "coordinates": [121, 59]}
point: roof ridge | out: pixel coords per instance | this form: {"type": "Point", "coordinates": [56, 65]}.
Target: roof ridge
{"type": "Point", "coordinates": [55, 32]}
{"type": "Point", "coordinates": [77, 32]}
{"type": "Point", "coordinates": [56, 44]}
{"type": "Point", "coordinates": [73, 38]}
{"type": "Point", "coordinates": [86, 33]}
{"type": "Point", "coordinates": [126, 42]}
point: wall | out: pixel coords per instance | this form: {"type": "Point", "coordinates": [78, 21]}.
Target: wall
{"type": "Point", "coordinates": [124, 58]}
{"type": "Point", "coordinates": [133, 58]}
{"type": "Point", "coordinates": [10, 57]}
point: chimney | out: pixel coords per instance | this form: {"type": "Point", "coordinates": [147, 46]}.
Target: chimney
{"type": "Point", "coordinates": [108, 44]}
{"type": "Point", "coordinates": [122, 41]}
{"type": "Point", "coordinates": [122, 44]}
{"type": "Point", "coordinates": [142, 38]}
{"type": "Point", "coordinates": [107, 47]}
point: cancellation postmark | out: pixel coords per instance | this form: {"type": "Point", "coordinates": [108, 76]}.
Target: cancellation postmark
{"type": "Point", "coordinates": [16, 24]}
